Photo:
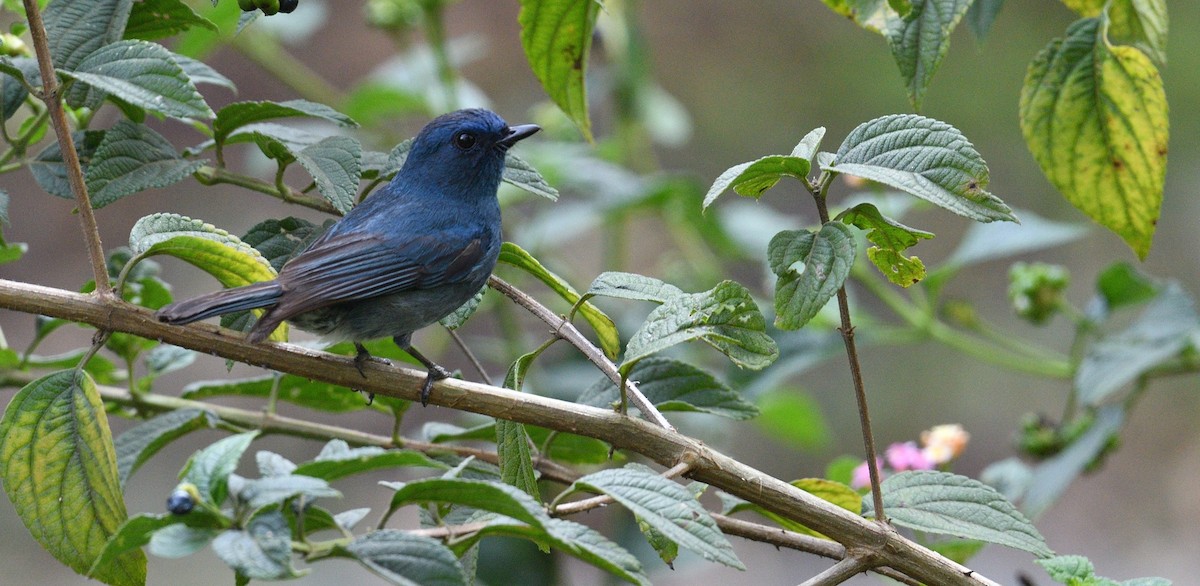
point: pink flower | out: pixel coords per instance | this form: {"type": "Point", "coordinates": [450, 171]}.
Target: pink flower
{"type": "Point", "coordinates": [907, 456]}
{"type": "Point", "coordinates": [944, 442]}
{"type": "Point", "coordinates": [861, 477]}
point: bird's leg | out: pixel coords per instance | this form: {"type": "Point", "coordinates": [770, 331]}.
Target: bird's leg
{"type": "Point", "coordinates": [435, 372]}
{"type": "Point", "coordinates": [361, 358]}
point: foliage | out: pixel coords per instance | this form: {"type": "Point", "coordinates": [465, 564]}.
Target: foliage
{"type": "Point", "coordinates": [1092, 111]}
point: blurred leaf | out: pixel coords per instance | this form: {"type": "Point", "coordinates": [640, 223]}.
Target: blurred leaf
{"type": "Point", "coordinates": [131, 535]}
{"type": "Point", "coordinates": [179, 540]}
{"type": "Point", "coordinates": [1010, 476]}
{"type": "Point", "coordinates": [404, 558]}
{"type": "Point", "coordinates": [49, 170]}
{"type": "Point", "coordinates": [1122, 285]}
{"type": "Point", "coordinates": [60, 471]}
{"type": "Point", "coordinates": [338, 460]}
{"type": "Point", "coordinates": [890, 238]}
{"type": "Point", "coordinates": [753, 178]}
{"type": "Point", "coordinates": [1163, 330]}
{"type": "Point", "coordinates": [794, 418]}
{"type": "Point", "coordinates": [557, 37]}
{"type": "Point", "coordinates": [841, 469]}
{"type": "Point", "coordinates": [631, 286]}
{"type": "Point", "coordinates": [872, 15]}
{"type": "Point", "coordinates": [1141, 23]}
{"type": "Point", "coordinates": [725, 317]}
{"type": "Point", "coordinates": [240, 114]}
{"type": "Point", "coordinates": [334, 164]}
{"type": "Point", "coordinates": [272, 464]}
{"type": "Point", "coordinates": [920, 40]}
{"type": "Point", "coordinates": [373, 103]}
{"type": "Point", "coordinates": [606, 331]}
{"type": "Point", "coordinates": [811, 266]}
{"type": "Point", "coordinates": [297, 390]}
{"type": "Point", "coordinates": [521, 174]}
{"type": "Point", "coordinates": [142, 74]}
{"type": "Point", "coordinates": [671, 385]}
{"type": "Point", "coordinates": [209, 468]}
{"type": "Point", "coordinates": [985, 242]}
{"type": "Point", "coordinates": [667, 507]}
{"type": "Point", "coordinates": [76, 29]}
{"type": "Point", "coordinates": [348, 519]}
{"type": "Point", "coordinates": [139, 443]}
{"type": "Point", "coordinates": [949, 504]}
{"type": "Point", "coordinates": [958, 550]}
{"type": "Point", "coordinates": [269, 490]}
{"type": "Point", "coordinates": [155, 19]}
{"type": "Point", "coordinates": [1086, 7]}
{"type": "Point", "coordinates": [263, 551]}
{"type": "Point", "coordinates": [133, 158]}
{"type": "Point", "coordinates": [981, 15]}
{"type": "Point", "coordinates": [489, 496]}
{"type": "Point", "coordinates": [1095, 118]}
{"type": "Point", "coordinates": [1051, 478]}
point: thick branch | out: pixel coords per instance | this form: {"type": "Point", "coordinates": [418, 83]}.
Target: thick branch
{"type": "Point", "coordinates": [666, 447]}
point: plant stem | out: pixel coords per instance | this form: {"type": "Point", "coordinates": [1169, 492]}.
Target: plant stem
{"type": "Point", "coordinates": [212, 175]}
{"type": "Point", "coordinates": [435, 31]}
{"type": "Point", "coordinates": [842, 571]}
{"type": "Point", "coordinates": [66, 144]}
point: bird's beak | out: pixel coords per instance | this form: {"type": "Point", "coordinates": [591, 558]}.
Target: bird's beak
{"type": "Point", "coordinates": [516, 133]}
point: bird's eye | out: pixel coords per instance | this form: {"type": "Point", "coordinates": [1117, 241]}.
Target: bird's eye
{"type": "Point", "coordinates": [464, 140]}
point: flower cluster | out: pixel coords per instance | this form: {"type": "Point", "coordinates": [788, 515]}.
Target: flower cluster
{"type": "Point", "coordinates": [939, 445]}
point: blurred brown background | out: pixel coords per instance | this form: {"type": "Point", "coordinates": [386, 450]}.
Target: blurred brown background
{"type": "Point", "coordinates": [754, 76]}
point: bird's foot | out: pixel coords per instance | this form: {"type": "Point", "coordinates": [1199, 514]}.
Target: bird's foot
{"type": "Point", "coordinates": [363, 357]}
{"type": "Point", "coordinates": [435, 373]}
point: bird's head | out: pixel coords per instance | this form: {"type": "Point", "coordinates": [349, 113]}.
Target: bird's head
{"type": "Point", "coordinates": [464, 147]}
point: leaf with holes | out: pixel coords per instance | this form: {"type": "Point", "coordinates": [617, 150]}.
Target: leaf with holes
{"type": "Point", "coordinates": [811, 267]}
{"type": "Point", "coordinates": [753, 178]}
{"type": "Point", "coordinates": [891, 238]}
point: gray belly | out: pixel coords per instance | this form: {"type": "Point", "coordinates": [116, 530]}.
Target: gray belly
{"type": "Point", "coordinates": [392, 316]}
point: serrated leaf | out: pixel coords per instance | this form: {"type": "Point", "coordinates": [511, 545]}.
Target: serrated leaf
{"type": "Point", "coordinates": [671, 385]}
{"type": "Point", "coordinates": [949, 504]}
{"type": "Point", "coordinates": [667, 507]}
{"type": "Point", "coordinates": [263, 551]}
{"type": "Point", "coordinates": [631, 286]}
{"type": "Point", "coordinates": [594, 548]}
{"type": "Point", "coordinates": [139, 443]}
{"type": "Point", "coordinates": [133, 158]}
{"type": "Point", "coordinates": [49, 170]}
{"type": "Point", "coordinates": [1163, 330]}
{"type": "Point", "coordinates": [557, 38]}
{"type": "Point", "coordinates": [981, 15]}
{"type": "Point", "coordinates": [920, 40]}
{"type": "Point", "coordinates": [276, 489]}
{"type": "Point", "coordinates": [76, 29]}
{"type": "Point", "coordinates": [142, 74]}
{"type": "Point", "coordinates": [811, 266]}
{"type": "Point", "coordinates": [240, 114]}
{"type": "Point", "coordinates": [210, 467]}
{"type": "Point", "coordinates": [1064, 568]}
{"type": "Point", "coordinates": [1141, 23]}
{"type": "Point", "coordinates": [890, 238]}
{"type": "Point", "coordinates": [489, 496]}
{"type": "Point", "coordinates": [459, 316]}
{"type": "Point", "coordinates": [923, 157]}
{"type": "Point", "coordinates": [59, 469]}
{"type": "Point", "coordinates": [606, 330]}
{"type": "Point", "coordinates": [725, 317]}
{"type": "Point", "coordinates": [338, 460]}
{"type": "Point", "coordinates": [293, 389]}
{"type": "Point", "coordinates": [521, 174]}
{"type": "Point", "coordinates": [1095, 118]}
{"type": "Point", "coordinates": [335, 166]}
{"type": "Point", "coordinates": [407, 559]}
{"type": "Point", "coordinates": [753, 178]}
{"type": "Point", "coordinates": [516, 461]}
{"type": "Point", "coordinates": [12, 91]}
{"type": "Point", "coordinates": [155, 19]}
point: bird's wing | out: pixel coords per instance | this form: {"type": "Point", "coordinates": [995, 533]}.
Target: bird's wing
{"type": "Point", "coordinates": [353, 266]}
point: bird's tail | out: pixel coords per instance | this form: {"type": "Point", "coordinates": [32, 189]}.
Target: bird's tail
{"type": "Point", "coordinates": [221, 302]}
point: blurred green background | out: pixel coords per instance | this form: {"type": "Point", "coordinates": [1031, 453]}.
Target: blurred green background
{"type": "Point", "coordinates": [753, 77]}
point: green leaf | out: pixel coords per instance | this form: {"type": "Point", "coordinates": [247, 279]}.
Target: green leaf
{"type": "Point", "coordinates": [293, 389]}
{"type": "Point", "coordinates": [557, 38]}
{"type": "Point", "coordinates": [671, 385]}
{"type": "Point", "coordinates": [76, 29]}
{"type": "Point", "coordinates": [981, 15]}
{"type": "Point", "coordinates": [667, 507]}
{"type": "Point", "coordinates": [458, 317]}
{"type": "Point", "coordinates": [209, 468]}
{"type": "Point", "coordinates": [1122, 285]}
{"type": "Point", "coordinates": [606, 331]}
{"type": "Point", "coordinates": [489, 496]}
{"type": "Point", "coordinates": [12, 91]}
{"type": "Point", "coordinates": [407, 559]}
{"type": "Point", "coordinates": [1095, 118]}
{"type": "Point", "coordinates": [890, 238]}
{"type": "Point", "coordinates": [155, 19]}
{"type": "Point", "coordinates": [338, 460]}
{"type": "Point", "coordinates": [594, 548]}
{"type": "Point", "coordinates": [521, 174]}
{"type": "Point", "coordinates": [133, 534]}
{"type": "Point", "coordinates": [920, 40]}
{"type": "Point", "coordinates": [335, 165]}
{"type": "Point", "coordinates": [516, 462]}
{"type": "Point", "coordinates": [1052, 477]}
{"type": "Point", "coordinates": [276, 489]}
{"type": "Point", "coordinates": [985, 242]}
{"type": "Point", "coordinates": [1068, 568]}
{"type": "Point", "coordinates": [794, 418]}
{"type": "Point", "coordinates": [59, 469]}
{"type": "Point", "coordinates": [239, 114]}
{"type": "Point", "coordinates": [280, 240]}
{"type": "Point", "coordinates": [133, 158]}
{"type": "Point", "coordinates": [142, 74]}
{"type": "Point", "coordinates": [923, 157]}
{"type": "Point", "coordinates": [49, 170]}
{"type": "Point", "coordinates": [1141, 23]}
{"type": "Point", "coordinates": [179, 540]}
{"type": "Point", "coordinates": [811, 266]}
{"type": "Point", "coordinates": [725, 317]}
{"type": "Point", "coordinates": [263, 551]}
{"type": "Point", "coordinates": [200, 72]}
{"type": "Point", "coordinates": [1086, 7]}
{"type": "Point", "coordinates": [949, 504]}
{"type": "Point", "coordinates": [872, 15]}
{"type": "Point", "coordinates": [631, 286]}
{"type": "Point", "coordinates": [753, 178]}
{"type": "Point", "coordinates": [830, 491]}
{"type": "Point", "coordinates": [1163, 330]}
{"type": "Point", "coordinates": [139, 443]}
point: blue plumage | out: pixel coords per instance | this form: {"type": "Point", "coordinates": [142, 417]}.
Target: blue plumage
{"type": "Point", "coordinates": [407, 256]}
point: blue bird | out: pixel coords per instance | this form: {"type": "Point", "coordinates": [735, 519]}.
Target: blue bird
{"type": "Point", "coordinates": [404, 258]}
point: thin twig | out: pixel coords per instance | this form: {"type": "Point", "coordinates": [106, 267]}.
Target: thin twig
{"type": "Point", "coordinates": [845, 569]}
{"type": "Point", "coordinates": [568, 332]}
{"type": "Point", "coordinates": [462, 345]}
{"type": "Point", "coordinates": [213, 175]}
{"type": "Point", "coordinates": [66, 144]}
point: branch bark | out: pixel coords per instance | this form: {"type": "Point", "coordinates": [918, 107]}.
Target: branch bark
{"type": "Point", "coordinates": [666, 447]}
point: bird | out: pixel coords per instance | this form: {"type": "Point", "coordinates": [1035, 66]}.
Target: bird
{"type": "Point", "coordinates": [408, 255]}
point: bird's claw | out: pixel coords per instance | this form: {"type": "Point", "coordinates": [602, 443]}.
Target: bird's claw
{"type": "Point", "coordinates": [435, 373]}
